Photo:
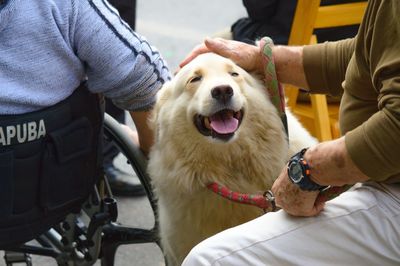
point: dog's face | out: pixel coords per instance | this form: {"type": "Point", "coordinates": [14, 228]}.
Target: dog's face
{"type": "Point", "coordinates": [209, 97]}
{"type": "Point", "coordinates": [218, 105]}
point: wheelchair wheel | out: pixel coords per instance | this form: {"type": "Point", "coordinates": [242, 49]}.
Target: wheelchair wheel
{"type": "Point", "coordinates": [116, 235]}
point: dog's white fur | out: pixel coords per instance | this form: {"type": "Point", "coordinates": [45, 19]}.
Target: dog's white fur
{"type": "Point", "coordinates": [183, 161]}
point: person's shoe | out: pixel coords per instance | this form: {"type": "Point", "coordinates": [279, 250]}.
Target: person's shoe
{"type": "Point", "coordinates": [120, 184]}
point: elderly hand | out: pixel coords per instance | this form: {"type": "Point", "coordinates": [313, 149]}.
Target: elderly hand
{"type": "Point", "coordinates": [330, 164]}
{"type": "Point", "coordinates": [247, 56]}
{"type": "Point", "coordinates": [293, 200]}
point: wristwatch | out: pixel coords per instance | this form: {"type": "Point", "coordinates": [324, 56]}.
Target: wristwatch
{"type": "Point", "coordinates": [299, 172]}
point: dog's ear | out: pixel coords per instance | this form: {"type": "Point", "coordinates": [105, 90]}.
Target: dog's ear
{"type": "Point", "coordinates": [254, 80]}
{"type": "Point", "coordinates": [162, 96]}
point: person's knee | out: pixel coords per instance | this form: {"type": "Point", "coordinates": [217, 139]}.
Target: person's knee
{"type": "Point", "coordinates": [199, 255]}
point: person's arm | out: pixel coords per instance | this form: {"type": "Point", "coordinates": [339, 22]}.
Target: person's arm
{"type": "Point", "coordinates": [119, 63]}
{"type": "Point", "coordinates": [325, 65]}
{"type": "Point", "coordinates": [289, 65]}
{"type": "Point", "coordinates": [145, 134]}
{"type": "Point", "coordinates": [321, 68]}
{"type": "Point", "coordinates": [288, 60]}
{"type": "Point", "coordinates": [375, 145]}
{"type": "Point", "coordinates": [331, 164]}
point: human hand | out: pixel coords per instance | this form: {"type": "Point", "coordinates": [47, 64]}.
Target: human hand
{"type": "Point", "coordinates": [132, 134]}
{"type": "Point", "coordinates": [244, 55]}
{"type": "Point", "coordinates": [293, 200]}
{"type": "Point", "coordinates": [144, 132]}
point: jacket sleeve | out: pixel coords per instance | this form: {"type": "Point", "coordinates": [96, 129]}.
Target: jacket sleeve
{"type": "Point", "coordinates": [374, 146]}
{"type": "Point", "coordinates": [325, 65]}
{"type": "Point", "coordinates": [119, 63]}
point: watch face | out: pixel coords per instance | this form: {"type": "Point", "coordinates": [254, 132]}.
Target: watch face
{"type": "Point", "coordinates": [296, 172]}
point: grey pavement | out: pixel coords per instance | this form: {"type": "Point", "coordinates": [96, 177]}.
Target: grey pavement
{"type": "Point", "coordinates": [174, 27]}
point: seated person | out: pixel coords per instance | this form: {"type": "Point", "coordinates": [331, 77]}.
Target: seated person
{"type": "Point", "coordinates": [49, 113]}
{"type": "Point", "coordinates": [360, 226]}
{"type": "Point", "coordinates": [274, 18]}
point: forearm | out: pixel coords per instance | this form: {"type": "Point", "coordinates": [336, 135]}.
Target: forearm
{"type": "Point", "coordinates": [145, 134]}
{"type": "Point", "coordinates": [289, 65]}
{"type": "Point", "coordinates": [331, 164]}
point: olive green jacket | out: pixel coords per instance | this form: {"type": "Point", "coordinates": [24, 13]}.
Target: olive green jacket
{"type": "Point", "coordinates": [367, 68]}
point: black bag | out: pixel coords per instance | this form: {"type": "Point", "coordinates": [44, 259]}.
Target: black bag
{"type": "Point", "coordinates": [49, 166]}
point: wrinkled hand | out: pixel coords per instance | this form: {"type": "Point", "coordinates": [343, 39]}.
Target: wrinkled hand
{"type": "Point", "coordinates": [293, 200]}
{"type": "Point", "coordinates": [245, 55]}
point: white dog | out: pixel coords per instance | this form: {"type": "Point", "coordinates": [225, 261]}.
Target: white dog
{"type": "Point", "coordinates": [214, 122]}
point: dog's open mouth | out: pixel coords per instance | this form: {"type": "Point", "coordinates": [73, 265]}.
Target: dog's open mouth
{"type": "Point", "coordinates": [221, 125]}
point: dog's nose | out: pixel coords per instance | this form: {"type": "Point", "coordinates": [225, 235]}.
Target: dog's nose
{"type": "Point", "coordinates": [222, 93]}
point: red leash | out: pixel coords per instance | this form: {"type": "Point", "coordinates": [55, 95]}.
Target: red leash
{"type": "Point", "coordinates": [266, 201]}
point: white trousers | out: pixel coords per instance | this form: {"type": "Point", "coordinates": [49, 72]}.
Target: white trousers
{"type": "Point", "coordinates": [359, 227]}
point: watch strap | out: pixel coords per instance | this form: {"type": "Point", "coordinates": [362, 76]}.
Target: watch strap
{"type": "Point", "coordinates": [306, 183]}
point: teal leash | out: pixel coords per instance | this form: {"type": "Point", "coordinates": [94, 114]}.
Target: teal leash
{"type": "Point", "coordinates": [277, 96]}
{"type": "Point", "coordinates": [275, 89]}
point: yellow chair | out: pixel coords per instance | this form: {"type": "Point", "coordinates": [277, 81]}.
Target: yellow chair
{"type": "Point", "coordinates": [319, 117]}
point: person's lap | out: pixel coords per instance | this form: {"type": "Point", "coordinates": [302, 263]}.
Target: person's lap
{"type": "Point", "coordinates": [360, 227]}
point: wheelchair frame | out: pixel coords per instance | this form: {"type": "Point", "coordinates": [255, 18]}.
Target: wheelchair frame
{"type": "Point", "coordinates": [83, 238]}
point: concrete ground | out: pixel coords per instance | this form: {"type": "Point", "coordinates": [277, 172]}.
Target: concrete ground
{"type": "Point", "coordinates": [174, 27]}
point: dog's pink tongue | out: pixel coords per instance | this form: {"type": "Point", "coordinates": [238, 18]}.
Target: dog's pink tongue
{"type": "Point", "coordinates": [224, 123]}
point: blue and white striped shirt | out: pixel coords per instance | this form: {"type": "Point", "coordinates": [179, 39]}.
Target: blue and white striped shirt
{"type": "Point", "coordinates": [48, 47]}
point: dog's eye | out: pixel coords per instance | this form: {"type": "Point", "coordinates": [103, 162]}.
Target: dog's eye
{"type": "Point", "coordinates": [195, 79]}
{"type": "Point", "coordinates": [234, 74]}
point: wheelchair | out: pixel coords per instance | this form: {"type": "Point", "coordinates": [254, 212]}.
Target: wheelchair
{"type": "Point", "coordinates": [93, 234]}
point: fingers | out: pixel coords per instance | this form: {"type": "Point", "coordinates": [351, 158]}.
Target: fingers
{"type": "Point", "coordinates": [293, 200]}
{"type": "Point", "coordinates": [217, 45]}
{"type": "Point", "coordinates": [199, 49]}
{"type": "Point", "coordinates": [246, 56]}
{"type": "Point", "coordinates": [306, 210]}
